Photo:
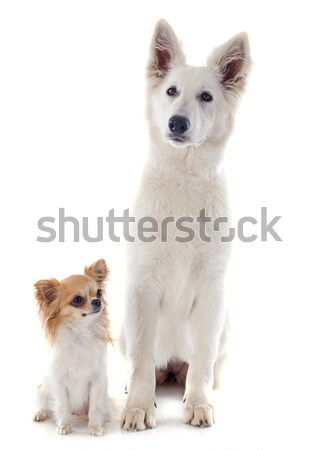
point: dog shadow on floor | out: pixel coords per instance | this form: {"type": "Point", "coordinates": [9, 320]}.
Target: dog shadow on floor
{"type": "Point", "coordinates": [169, 399]}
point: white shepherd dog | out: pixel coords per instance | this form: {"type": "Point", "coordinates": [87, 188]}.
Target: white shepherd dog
{"type": "Point", "coordinates": [176, 316]}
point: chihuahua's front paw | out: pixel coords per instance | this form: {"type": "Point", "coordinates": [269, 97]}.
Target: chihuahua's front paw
{"type": "Point", "coordinates": [138, 419]}
{"type": "Point", "coordinates": [64, 429]}
{"type": "Point", "coordinates": [40, 416]}
{"type": "Point", "coordinates": [198, 415]}
{"type": "Point", "coordinates": [96, 431]}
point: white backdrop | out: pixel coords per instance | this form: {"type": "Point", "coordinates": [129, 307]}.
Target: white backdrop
{"type": "Point", "coordinates": [72, 105]}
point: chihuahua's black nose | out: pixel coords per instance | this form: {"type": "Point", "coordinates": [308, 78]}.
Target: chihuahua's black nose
{"type": "Point", "coordinates": [179, 125]}
{"type": "Point", "coordinates": [96, 302]}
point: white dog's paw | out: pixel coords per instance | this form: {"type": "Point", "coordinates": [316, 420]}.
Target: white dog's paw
{"type": "Point", "coordinates": [138, 419]}
{"type": "Point", "coordinates": [96, 431]}
{"type": "Point", "coordinates": [198, 415]}
{"type": "Point", "coordinates": [40, 416]}
{"type": "Point", "coordinates": [64, 429]}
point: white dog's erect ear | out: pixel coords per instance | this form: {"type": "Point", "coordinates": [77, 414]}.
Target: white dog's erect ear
{"type": "Point", "coordinates": [233, 62]}
{"type": "Point", "coordinates": [165, 51]}
{"type": "Point", "coordinates": [98, 271]}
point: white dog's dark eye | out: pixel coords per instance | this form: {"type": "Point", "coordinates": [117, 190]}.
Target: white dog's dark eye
{"type": "Point", "coordinates": [77, 301]}
{"type": "Point", "coordinates": [172, 91]}
{"type": "Point", "coordinates": [206, 97]}
{"type": "Point", "coordinates": [99, 293]}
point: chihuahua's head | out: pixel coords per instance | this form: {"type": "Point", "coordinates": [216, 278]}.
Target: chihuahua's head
{"type": "Point", "coordinates": [77, 302]}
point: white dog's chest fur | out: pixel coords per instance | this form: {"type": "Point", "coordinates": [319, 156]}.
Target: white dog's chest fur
{"type": "Point", "coordinates": [179, 267]}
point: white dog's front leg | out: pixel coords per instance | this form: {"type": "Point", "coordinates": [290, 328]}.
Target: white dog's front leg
{"type": "Point", "coordinates": [140, 332]}
{"type": "Point", "coordinates": [207, 320]}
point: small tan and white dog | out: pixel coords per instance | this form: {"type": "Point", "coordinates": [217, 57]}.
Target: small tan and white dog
{"type": "Point", "coordinates": [75, 318]}
{"type": "Point", "coordinates": [176, 316]}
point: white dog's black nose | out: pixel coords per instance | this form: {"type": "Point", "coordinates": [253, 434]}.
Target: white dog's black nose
{"type": "Point", "coordinates": [179, 125]}
{"type": "Point", "coordinates": [96, 302]}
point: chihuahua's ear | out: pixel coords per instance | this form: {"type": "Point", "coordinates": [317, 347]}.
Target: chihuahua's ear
{"type": "Point", "coordinates": [46, 290]}
{"type": "Point", "coordinates": [232, 61]}
{"type": "Point", "coordinates": [165, 51]}
{"type": "Point", "coordinates": [98, 271]}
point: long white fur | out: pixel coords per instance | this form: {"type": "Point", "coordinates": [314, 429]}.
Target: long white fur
{"type": "Point", "coordinates": [77, 381]}
{"type": "Point", "coordinates": [175, 307]}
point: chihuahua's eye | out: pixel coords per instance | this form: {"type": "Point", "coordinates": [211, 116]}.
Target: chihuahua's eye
{"type": "Point", "coordinates": [206, 97]}
{"type": "Point", "coordinates": [99, 293]}
{"type": "Point", "coordinates": [172, 91]}
{"type": "Point", "coordinates": [77, 301]}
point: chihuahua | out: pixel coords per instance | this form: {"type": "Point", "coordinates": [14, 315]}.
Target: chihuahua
{"type": "Point", "coordinates": [75, 319]}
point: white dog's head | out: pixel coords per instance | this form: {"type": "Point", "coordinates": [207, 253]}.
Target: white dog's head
{"type": "Point", "coordinates": [192, 105]}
